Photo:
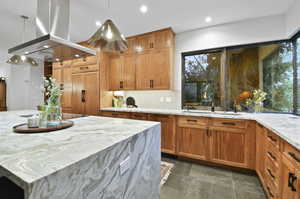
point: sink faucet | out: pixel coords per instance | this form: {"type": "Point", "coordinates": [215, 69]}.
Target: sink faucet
{"type": "Point", "coordinates": [212, 108]}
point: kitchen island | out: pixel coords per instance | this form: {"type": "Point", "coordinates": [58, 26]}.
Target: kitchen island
{"type": "Point", "coordinates": [98, 157]}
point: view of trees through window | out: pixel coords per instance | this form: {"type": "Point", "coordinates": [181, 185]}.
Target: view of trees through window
{"type": "Point", "coordinates": [268, 67]}
{"type": "Point", "coordinates": [298, 75]}
{"type": "Point", "coordinates": [202, 80]}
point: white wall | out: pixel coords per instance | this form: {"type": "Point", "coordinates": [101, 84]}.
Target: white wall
{"type": "Point", "coordinates": [244, 32]}
{"type": "Point", "coordinates": [293, 19]}
{"type": "Point", "coordinates": [23, 83]}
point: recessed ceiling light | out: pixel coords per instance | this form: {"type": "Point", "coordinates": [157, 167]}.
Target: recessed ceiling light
{"type": "Point", "coordinates": [76, 55]}
{"type": "Point", "coordinates": [56, 59]}
{"type": "Point", "coordinates": [26, 53]}
{"type": "Point", "coordinates": [143, 9]}
{"type": "Point", "coordinates": [208, 19]}
{"type": "Point", "coordinates": [46, 46]}
{"type": "Point", "coordinates": [98, 23]}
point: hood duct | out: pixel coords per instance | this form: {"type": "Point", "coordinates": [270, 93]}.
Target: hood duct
{"type": "Point", "coordinates": [52, 31]}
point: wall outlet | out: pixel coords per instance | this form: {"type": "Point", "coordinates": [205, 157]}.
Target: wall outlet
{"type": "Point", "coordinates": [161, 99]}
{"type": "Point", "coordinates": [168, 99]}
{"type": "Point", "coordinates": [125, 165]}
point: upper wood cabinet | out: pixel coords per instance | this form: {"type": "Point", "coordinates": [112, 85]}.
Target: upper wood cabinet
{"type": "Point", "coordinates": [146, 65]}
{"type": "Point", "coordinates": [122, 72]}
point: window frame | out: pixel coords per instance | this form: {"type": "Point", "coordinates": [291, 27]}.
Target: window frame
{"type": "Point", "coordinates": [224, 103]}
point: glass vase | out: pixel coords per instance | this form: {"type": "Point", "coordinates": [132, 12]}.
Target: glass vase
{"type": "Point", "coordinates": [54, 115]}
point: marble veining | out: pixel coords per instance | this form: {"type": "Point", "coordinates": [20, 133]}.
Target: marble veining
{"type": "Point", "coordinates": [83, 162]}
{"type": "Point", "coordinates": [287, 126]}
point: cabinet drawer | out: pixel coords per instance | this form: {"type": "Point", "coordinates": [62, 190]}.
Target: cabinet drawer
{"type": "Point", "coordinates": [82, 69]}
{"type": "Point", "coordinates": [139, 116]}
{"type": "Point", "coordinates": [272, 171]}
{"type": "Point", "coordinates": [292, 153]}
{"type": "Point", "coordinates": [273, 153]}
{"type": "Point", "coordinates": [274, 139]}
{"type": "Point", "coordinates": [272, 191]}
{"type": "Point", "coordinates": [91, 60]}
{"type": "Point", "coordinates": [192, 122]}
{"type": "Point", "coordinates": [114, 114]}
{"type": "Point", "coordinates": [56, 65]}
{"type": "Point", "coordinates": [241, 124]}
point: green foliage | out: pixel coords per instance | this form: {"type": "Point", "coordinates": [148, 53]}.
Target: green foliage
{"type": "Point", "coordinates": [52, 91]}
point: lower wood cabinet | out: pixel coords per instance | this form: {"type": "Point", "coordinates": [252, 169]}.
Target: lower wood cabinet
{"type": "Point", "coordinates": [168, 132]}
{"type": "Point", "coordinates": [229, 146]}
{"type": "Point", "coordinates": [260, 150]}
{"type": "Point", "coordinates": [193, 142]}
{"type": "Point", "coordinates": [290, 179]}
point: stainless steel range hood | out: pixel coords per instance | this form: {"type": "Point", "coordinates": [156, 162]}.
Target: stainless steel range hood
{"type": "Point", "coordinates": [52, 31]}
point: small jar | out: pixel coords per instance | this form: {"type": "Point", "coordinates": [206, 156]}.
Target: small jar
{"type": "Point", "coordinates": [33, 122]}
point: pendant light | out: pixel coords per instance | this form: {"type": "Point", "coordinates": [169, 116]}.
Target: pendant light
{"type": "Point", "coordinates": [108, 38]}
{"type": "Point", "coordinates": [17, 59]}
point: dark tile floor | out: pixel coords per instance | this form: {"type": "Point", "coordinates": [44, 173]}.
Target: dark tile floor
{"type": "Point", "coordinates": [194, 181]}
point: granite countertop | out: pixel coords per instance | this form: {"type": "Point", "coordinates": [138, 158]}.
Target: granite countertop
{"type": "Point", "coordinates": [287, 126]}
{"type": "Point", "coordinates": [31, 157]}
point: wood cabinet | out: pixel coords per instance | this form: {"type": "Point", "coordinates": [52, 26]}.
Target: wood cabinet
{"type": "Point", "coordinates": [2, 95]}
{"type": "Point", "coordinates": [85, 95]}
{"type": "Point", "coordinates": [260, 151]}
{"type": "Point", "coordinates": [229, 146]}
{"type": "Point", "coordinates": [139, 116]}
{"type": "Point", "coordinates": [168, 132]}
{"type": "Point", "coordinates": [115, 114]}
{"type": "Point", "coordinates": [153, 70]}
{"type": "Point", "coordinates": [193, 142]}
{"type": "Point", "coordinates": [290, 179]}
{"type": "Point", "coordinates": [62, 72]}
{"type": "Point", "coordinates": [122, 72]}
{"type": "Point", "coordinates": [146, 65]}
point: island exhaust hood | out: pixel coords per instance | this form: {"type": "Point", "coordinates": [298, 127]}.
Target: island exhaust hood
{"type": "Point", "coordinates": [52, 31]}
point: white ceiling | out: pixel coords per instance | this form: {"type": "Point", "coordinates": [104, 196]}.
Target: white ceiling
{"type": "Point", "coordinates": [181, 15]}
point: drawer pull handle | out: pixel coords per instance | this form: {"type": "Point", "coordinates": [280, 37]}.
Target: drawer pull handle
{"type": "Point", "coordinates": [228, 123]}
{"type": "Point", "coordinates": [270, 193]}
{"type": "Point", "coordinates": [272, 156]}
{"type": "Point", "coordinates": [270, 173]}
{"type": "Point", "coordinates": [192, 121]}
{"type": "Point", "coordinates": [293, 155]}
{"type": "Point", "coordinates": [84, 68]}
{"type": "Point", "coordinates": [272, 139]}
{"type": "Point", "coordinates": [292, 178]}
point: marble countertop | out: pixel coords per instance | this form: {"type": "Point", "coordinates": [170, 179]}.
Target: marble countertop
{"type": "Point", "coordinates": [31, 157]}
{"type": "Point", "coordinates": [287, 126]}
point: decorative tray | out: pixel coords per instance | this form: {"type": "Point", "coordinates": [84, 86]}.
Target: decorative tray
{"type": "Point", "coordinates": [23, 128]}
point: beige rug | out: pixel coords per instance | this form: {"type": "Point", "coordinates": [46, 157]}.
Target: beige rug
{"type": "Point", "coordinates": [165, 171]}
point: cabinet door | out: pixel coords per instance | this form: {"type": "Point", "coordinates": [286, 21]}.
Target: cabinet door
{"type": "Point", "coordinates": [57, 74]}
{"type": "Point", "coordinates": [192, 143]}
{"type": "Point", "coordinates": [163, 39]}
{"type": "Point", "coordinates": [91, 93]}
{"type": "Point", "coordinates": [67, 88]}
{"type": "Point", "coordinates": [289, 180]}
{"type": "Point", "coordinates": [128, 72]}
{"type": "Point", "coordinates": [168, 135]}
{"type": "Point", "coordinates": [143, 71]}
{"type": "Point", "coordinates": [145, 42]}
{"type": "Point", "coordinates": [228, 146]}
{"type": "Point", "coordinates": [160, 69]}
{"type": "Point", "coordinates": [77, 93]}
{"type": "Point", "coordinates": [115, 73]}
{"type": "Point", "coordinates": [260, 151]}
{"type": "Point", "coordinates": [131, 45]}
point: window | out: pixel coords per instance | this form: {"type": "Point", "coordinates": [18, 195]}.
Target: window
{"type": "Point", "coordinates": [201, 79]}
{"type": "Point", "coordinates": [209, 77]}
{"type": "Point", "coordinates": [298, 75]}
{"type": "Point", "coordinates": [278, 79]}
